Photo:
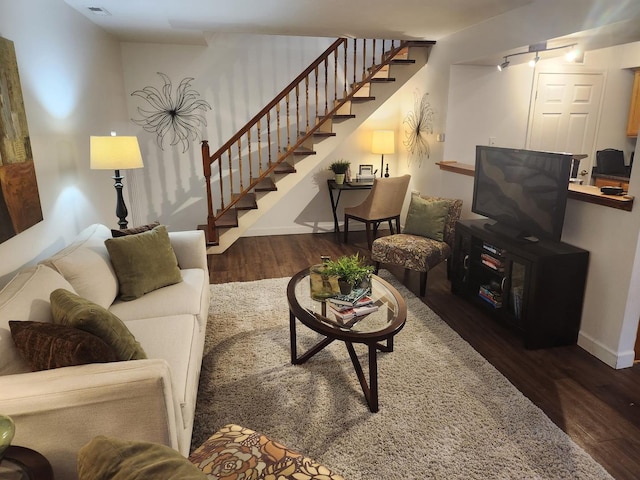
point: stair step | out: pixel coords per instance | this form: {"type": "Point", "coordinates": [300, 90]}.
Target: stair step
{"type": "Point", "coordinates": [405, 61]}
{"type": "Point", "coordinates": [337, 117]}
{"type": "Point", "coordinates": [382, 79]}
{"type": "Point", "coordinates": [319, 134]}
{"type": "Point", "coordinates": [285, 167]}
{"type": "Point", "coordinates": [228, 219]}
{"type": "Point", "coordinates": [211, 242]}
{"type": "Point", "coordinates": [362, 99]}
{"type": "Point", "coordinates": [266, 185]}
{"type": "Point", "coordinates": [247, 202]}
{"type": "Point", "coordinates": [304, 151]}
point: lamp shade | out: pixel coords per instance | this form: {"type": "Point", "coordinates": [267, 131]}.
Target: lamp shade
{"type": "Point", "coordinates": [115, 153]}
{"type": "Point", "coordinates": [383, 142]}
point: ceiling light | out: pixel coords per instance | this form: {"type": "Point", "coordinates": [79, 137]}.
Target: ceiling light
{"type": "Point", "coordinates": [99, 11]}
{"type": "Point", "coordinates": [503, 65]}
{"type": "Point", "coordinates": [537, 48]}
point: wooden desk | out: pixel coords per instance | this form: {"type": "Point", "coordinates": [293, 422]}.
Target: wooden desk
{"type": "Point", "coordinates": [592, 194]}
{"type": "Point", "coordinates": [332, 185]}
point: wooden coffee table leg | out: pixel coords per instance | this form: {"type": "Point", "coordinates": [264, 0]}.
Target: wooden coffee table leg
{"type": "Point", "coordinates": [292, 336]}
{"type": "Point", "coordinates": [370, 390]}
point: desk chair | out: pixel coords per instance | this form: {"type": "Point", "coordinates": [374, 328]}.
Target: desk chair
{"type": "Point", "coordinates": [383, 204]}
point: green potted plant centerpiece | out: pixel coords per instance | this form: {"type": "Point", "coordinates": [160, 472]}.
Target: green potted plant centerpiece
{"type": "Point", "coordinates": [339, 168]}
{"type": "Point", "coordinates": [350, 270]}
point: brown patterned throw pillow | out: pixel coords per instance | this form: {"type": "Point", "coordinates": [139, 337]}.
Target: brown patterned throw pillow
{"type": "Point", "coordinates": [47, 345]}
{"type": "Point", "coordinates": [134, 230]}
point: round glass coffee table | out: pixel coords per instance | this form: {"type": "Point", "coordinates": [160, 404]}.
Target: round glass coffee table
{"type": "Point", "coordinates": [371, 329]}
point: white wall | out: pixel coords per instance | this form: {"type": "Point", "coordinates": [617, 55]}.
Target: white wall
{"type": "Point", "coordinates": [237, 75]}
{"type": "Point", "coordinates": [484, 102]}
{"type": "Point", "coordinates": [71, 78]}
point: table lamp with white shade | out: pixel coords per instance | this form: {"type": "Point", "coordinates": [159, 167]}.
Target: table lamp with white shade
{"type": "Point", "coordinates": [116, 153]}
{"type": "Point", "coordinates": [383, 142]}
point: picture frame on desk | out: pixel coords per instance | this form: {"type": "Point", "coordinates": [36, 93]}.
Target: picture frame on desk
{"type": "Point", "coordinates": [365, 170]}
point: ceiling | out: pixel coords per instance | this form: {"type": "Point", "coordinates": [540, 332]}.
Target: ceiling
{"type": "Point", "coordinates": [194, 21]}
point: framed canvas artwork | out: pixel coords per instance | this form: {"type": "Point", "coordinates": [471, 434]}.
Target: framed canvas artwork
{"type": "Point", "coordinates": [19, 198]}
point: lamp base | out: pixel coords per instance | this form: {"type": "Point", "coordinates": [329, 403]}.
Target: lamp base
{"type": "Point", "coordinates": [121, 208]}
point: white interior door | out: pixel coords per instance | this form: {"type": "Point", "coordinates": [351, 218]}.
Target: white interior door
{"type": "Point", "coordinates": [565, 115]}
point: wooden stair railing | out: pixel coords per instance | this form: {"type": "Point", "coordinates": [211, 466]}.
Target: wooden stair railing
{"type": "Point", "coordinates": [284, 126]}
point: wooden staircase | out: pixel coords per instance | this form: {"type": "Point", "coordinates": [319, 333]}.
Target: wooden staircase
{"type": "Point", "coordinates": [253, 170]}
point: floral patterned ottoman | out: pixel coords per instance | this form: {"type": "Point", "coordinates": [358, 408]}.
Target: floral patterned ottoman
{"type": "Point", "coordinates": [238, 453]}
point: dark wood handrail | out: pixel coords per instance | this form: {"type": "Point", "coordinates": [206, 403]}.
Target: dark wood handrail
{"type": "Point", "coordinates": [277, 98]}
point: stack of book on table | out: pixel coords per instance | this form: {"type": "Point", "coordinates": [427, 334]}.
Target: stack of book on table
{"type": "Point", "coordinates": [346, 307]}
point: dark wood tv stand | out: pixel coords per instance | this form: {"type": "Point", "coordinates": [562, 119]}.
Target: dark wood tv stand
{"type": "Point", "coordinates": [536, 288]}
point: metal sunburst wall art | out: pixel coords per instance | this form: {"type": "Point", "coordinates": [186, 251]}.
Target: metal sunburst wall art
{"type": "Point", "coordinates": [178, 117]}
{"type": "Point", "coordinates": [419, 124]}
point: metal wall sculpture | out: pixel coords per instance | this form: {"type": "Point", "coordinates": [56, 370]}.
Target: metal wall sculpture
{"type": "Point", "coordinates": [179, 117]}
{"type": "Point", "coordinates": [419, 124]}
{"type": "Point", "coordinates": [19, 197]}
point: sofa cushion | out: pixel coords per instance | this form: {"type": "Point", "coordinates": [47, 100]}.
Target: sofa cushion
{"type": "Point", "coordinates": [105, 458]}
{"type": "Point", "coordinates": [179, 298]}
{"type": "Point", "coordinates": [426, 218]}
{"type": "Point", "coordinates": [72, 310]}
{"type": "Point", "coordinates": [134, 230]}
{"type": "Point", "coordinates": [143, 262]}
{"type": "Point", "coordinates": [25, 297]}
{"type": "Point", "coordinates": [48, 345]}
{"type": "Point", "coordinates": [86, 265]}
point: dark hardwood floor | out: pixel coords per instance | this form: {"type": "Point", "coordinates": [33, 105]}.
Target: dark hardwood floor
{"type": "Point", "coordinates": [599, 407]}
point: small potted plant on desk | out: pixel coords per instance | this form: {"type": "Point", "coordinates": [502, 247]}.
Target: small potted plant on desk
{"type": "Point", "coordinates": [339, 168]}
{"type": "Point", "coordinates": [351, 271]}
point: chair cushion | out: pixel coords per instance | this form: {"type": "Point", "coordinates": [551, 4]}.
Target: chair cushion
{"type": "Point", "coordinates": [410, 251]}
{"type": "Point", "coordinates": [237, 452]}
{"type": "Point", "coordinates": [48, 345]}
{"type": "Point", "coordinates": [105, 458]}
{"type": "Point", "coordinates": [143, 262]}
{"type": "Point", "coordinates": [72, 310]}
{"type": "Point", "coordinates": [426, 217]}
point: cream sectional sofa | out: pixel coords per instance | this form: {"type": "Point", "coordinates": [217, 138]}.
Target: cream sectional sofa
{"type": "Point", "coordinates": [57, 411]}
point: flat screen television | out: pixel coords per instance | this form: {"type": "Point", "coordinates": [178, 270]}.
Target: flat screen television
{"type": "Point", "coordinates": [524, 191]}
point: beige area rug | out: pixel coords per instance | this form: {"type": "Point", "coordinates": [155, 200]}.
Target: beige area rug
{"type": "Point", "coordinates": [445, 412]}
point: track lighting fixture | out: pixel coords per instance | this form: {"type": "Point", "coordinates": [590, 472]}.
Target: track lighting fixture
{"type": "Point", "coordinates": [536, 49]}
{"type": "Point", "coordinates": [503, 65]}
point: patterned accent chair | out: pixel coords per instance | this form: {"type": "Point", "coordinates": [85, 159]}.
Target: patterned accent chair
{"type": "Point", "coordinates": [240, 453]}
{"type": "Point", "coordinates": [416, 252]}
{"type": "Point", "coordinates": [384, 203]}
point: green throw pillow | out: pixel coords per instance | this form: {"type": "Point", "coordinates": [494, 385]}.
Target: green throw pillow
{"type": "Point", "coordinates": [143, 262]}
{"type": "Point", "coordinates": [426, 218]}
{"type": "Point", "coordinates": [48, 345]}
{"type": "Point", "coordinates": [69, 309]}
{"type": "Point", "coordinates": [105, 458]}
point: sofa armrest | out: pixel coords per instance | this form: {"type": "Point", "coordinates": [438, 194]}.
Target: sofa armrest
{"type": "Point", "coordinates": [190, 248]}
{"type": "Point", "coordinates": [58, 411]}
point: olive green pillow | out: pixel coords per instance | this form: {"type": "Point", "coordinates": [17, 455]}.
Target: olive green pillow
{"type": "Point", "coordinates": [48, 345]}
{"type": "Point", "coordinates": [426, 218]}
{"type": "Point", "coordinates": [143, 262]}
{"type": "Point", "coordinates": [134, 230]}
{"type": "Point", "coordinates": [105, 458]}
{"type": "Point", "coordinates": [69, 309]}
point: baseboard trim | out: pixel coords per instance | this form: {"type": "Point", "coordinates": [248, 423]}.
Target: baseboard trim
{"type": "Point", "coordinates": [614, 359]}
{"type": "Point", "coordinates": [322, 227]}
